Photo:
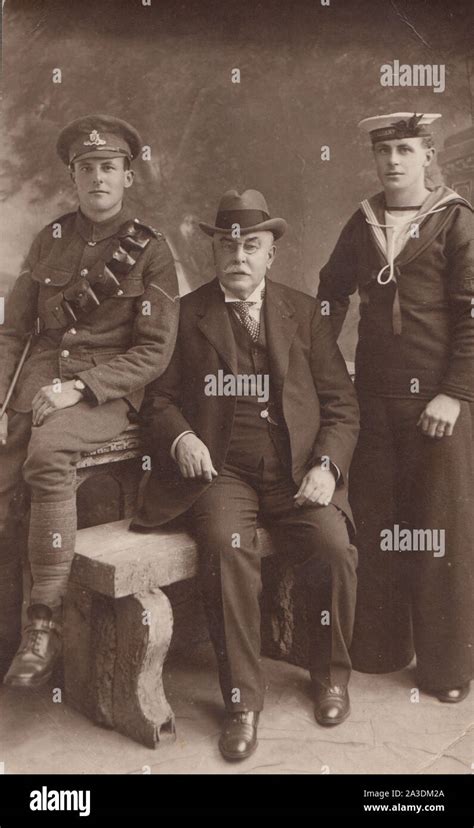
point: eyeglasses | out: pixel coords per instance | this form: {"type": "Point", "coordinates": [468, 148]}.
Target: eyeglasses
{"type": "Point", "coordinates": [250, 246]}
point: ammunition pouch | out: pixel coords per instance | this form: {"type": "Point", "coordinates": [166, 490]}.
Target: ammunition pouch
{"type": "Point", "coordinates": [76, 302]}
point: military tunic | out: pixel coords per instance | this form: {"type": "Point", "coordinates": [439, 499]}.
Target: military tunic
{"type": "Point", "coordinates": [124, 344]}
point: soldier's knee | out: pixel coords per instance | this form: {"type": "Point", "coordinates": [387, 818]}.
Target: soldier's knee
{"type": "Point", "coordinates": [44, 467]}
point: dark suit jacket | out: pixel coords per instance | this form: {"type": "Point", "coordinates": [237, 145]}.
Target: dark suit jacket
{"type": "Point", "coordinates": [309, 376]}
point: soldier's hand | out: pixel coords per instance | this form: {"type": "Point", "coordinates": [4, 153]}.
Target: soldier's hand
{"type": "Point", "coordinates": [439, 417]}
{"type": "Point", "coordinates": [317, 487]}
{"type": "Point", "coordinates": [194, 459]}
{"type": "Point", "coordinates": [3, 429]}
{"type": "Point", "coordinates": [51, 398]}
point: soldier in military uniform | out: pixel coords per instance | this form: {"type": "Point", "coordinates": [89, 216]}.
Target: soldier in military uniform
{"type": "Point", "coordinates": [99, 290]}
{"type": "Point", "coordinates": [409, 251]}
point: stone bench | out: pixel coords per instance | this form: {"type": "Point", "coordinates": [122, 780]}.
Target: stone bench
{"type": "Point", "coordinates": [118, 460]}
{"type": "Point", "coordinates": [119, 623]}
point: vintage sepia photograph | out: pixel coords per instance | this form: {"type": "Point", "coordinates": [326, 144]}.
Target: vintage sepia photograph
{"type": "Point", "coordinates": [236, 402]}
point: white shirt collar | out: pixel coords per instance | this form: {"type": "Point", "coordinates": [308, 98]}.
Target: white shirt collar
{"type": "Point", "coordinates": [255, 296]}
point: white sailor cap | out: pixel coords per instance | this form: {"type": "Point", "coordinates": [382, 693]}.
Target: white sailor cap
{"type": "Point", "coordinates": [398, 125]}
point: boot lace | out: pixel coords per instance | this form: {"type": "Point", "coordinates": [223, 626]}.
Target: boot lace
{"type": "Point", "coordinates": [36, 641]}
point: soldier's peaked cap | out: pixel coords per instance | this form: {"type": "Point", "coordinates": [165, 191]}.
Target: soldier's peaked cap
{"type": "Point", "coordinates": [98, 136]}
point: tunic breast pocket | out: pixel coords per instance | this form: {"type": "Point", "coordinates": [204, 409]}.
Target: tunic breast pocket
{"type": "Point", "coordinates": [51, 282]}
{"type": "Point", "coordinates": [50, 278]}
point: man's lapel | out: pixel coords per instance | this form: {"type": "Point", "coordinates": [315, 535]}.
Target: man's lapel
{"type": "Point", "coordinates": [215, 324]}
{"type": "Point", "coordinates": [280, 328]}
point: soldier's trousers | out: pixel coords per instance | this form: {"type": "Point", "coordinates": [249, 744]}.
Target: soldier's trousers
{"type": "Point", "coordinates": [45, 457]}
{"type": "Point", "coordinates": [315, 537]}
{"type": "Point", "coordinates": [418, 601]}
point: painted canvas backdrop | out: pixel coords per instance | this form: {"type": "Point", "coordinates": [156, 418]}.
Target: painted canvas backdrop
{"type": "Point", "coordinates": [308, 74]}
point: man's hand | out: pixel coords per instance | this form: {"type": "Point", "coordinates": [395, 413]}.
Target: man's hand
{"type": "Point", "coordinates": [3, 429]}
{"type": "Point", "coordinates": [49, 399]}
{"type": "Point", "coordinates": [439, 417]}
{"type": "Point", "coordinates": [317, 487]}
{"type": "Point", "coordinates": [194, 459]}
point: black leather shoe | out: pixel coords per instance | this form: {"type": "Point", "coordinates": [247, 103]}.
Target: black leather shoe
{"type": "Point", "coordinates": [39, 650]}
{"type": "Point", "coordinates": [454, 694]}
{"type": "Point", "coordinates": [239, 736]}
{"type": "Point", "coordinates": [331, 704]}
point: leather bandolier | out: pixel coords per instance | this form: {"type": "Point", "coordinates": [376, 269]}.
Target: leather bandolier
{"type": "Point", "coordinates": [76, 302]}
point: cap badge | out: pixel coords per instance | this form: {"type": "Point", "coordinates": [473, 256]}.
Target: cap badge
{"type": "Point", "coordinates": [94, 140]}
{"type": "Point", "coordinates": [410, 124]}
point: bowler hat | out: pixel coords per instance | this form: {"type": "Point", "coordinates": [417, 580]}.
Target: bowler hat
{"type": "Point", "coordinates": [249, 211]}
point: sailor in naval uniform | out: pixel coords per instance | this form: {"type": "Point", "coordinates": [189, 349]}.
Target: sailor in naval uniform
{"type": "Point", "coordinates": [409, 252]}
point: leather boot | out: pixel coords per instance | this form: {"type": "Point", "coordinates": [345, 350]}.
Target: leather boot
{"type": "Point", "coordinates": [39, 651]}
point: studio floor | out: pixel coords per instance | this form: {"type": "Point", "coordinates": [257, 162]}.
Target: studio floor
{"type": "Point", "coordinates": [386, 733]}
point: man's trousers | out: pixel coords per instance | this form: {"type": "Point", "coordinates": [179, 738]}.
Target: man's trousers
{"type": "Point", "coordinates": [316, 537]}
{"type": "Point", "coordinates": [45, 457]}
{"type": "Point", "coordinates": [418, 600]}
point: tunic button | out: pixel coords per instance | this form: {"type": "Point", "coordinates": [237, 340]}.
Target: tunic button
{"type": "Point", "coordinates": [120, 293]}
{"type": "Point", "coordinates": [84, 271]}
{"type": "Point", "coordinates": [64, 354]}
{"type": "Point", "coordinates": [47, 281]}
{"type": "Point", "coordinates": [264, 414]}
{"type": "Point", "coordinates": [73, 331]}
{"type": "Point", "coordinates": [92, 244]}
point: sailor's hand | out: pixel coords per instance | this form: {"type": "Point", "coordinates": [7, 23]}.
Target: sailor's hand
{"type": "Point", "coordinates": [317, 487]}
{"type": "Point", "coordinates": [51, 398]}
{"type": "Point", "coordinates": [439, 417]}
{"type": "Point", "coordinates": [3, 429]}
{"type": "Point", "coordinates": [193, 458]}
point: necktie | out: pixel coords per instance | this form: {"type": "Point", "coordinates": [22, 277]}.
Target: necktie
{"type": "Point", "coordinates": [250, 324]}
